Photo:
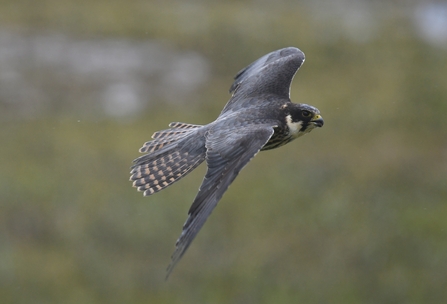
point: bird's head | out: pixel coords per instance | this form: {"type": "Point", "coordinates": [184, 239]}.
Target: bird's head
{"type": "Point", "coordinates": [302, 119]}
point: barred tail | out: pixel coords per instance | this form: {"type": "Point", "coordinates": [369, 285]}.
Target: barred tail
{"type": "Point", "coordinates": [171, 155]}
{"type": "Point", "coordinates": [177, 131]}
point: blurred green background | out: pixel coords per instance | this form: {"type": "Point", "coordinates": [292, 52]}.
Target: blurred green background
{"type": "Point", "coordinates": [355, 212]}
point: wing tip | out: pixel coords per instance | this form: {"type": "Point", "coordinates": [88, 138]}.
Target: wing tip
{"type": "Point", "coordinates": [261, 64]}
{"type": "Point", "coordinates": [170, 268]}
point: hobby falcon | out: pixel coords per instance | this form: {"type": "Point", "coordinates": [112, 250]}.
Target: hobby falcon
{"type": "Point", "coordinates": [259, 116]}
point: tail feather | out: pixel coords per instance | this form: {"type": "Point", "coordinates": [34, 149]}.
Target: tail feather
{"type": "Point", "coordinates": [178, 130]}
{"type": "Point", "coordinates": [154, 145]}
{"type": "Point", "coordinates": [156, 175]}
{"type": "Point", "coordinates": [172, 160]}
{"type": "Point", "coordinates": [175, 128]}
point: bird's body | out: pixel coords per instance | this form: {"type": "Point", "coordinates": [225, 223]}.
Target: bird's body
{"type": "Point", "coordinates": [259, 116]}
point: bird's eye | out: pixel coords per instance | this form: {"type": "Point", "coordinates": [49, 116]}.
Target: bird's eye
{"type": "Point", "coordinates": [305, 113]}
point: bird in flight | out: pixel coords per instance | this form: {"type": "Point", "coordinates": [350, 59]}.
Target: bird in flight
{"type": "Point", "coordinates": [259, 116]}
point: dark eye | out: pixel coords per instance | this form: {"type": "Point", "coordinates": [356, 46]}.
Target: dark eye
{"type": "Point", "coordinates": [305, 113]}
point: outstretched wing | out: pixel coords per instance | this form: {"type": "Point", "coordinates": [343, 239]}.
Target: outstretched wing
{"type": "Point", "coordinates": [270, 74]}
{"type": "Point", "coordinates": [227, 153]}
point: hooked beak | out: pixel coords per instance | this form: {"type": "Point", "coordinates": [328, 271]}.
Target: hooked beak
{"type": "Point", "coordinates": [318, 121]}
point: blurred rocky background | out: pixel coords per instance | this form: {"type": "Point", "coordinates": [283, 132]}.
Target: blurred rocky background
{"type": "Point", "coordinates": [355, 212]}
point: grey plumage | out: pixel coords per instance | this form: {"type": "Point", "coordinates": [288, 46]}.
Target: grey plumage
{"type": "Point", "coordinates": [259, 116]}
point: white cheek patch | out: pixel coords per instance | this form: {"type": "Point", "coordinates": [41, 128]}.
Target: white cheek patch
{"type": "Point", "coordinates": [294, 127]}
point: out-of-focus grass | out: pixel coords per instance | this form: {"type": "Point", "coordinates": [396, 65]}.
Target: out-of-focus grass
{"type": "Point", "coordinates": [352, 213]}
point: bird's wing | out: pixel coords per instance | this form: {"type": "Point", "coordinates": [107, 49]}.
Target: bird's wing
{"type": "Point", "coordinates": [227, 153]}
{"type": "Point", "coordinates": [270, 74]}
